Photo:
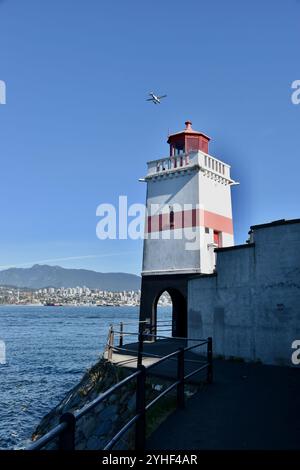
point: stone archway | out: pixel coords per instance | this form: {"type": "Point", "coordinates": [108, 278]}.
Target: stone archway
{"type": "Point", "coordinates": [179, 312]}
{"type": "Point", "coordinates": [164, 307]}
{"type": "Point", "coordinates": [176, 286]}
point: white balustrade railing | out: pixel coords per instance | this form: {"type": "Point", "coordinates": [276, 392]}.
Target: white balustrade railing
{"type": "Point", "coordinates": [206, 162]}
{"type": "Point", "coordinates": [172, 163]}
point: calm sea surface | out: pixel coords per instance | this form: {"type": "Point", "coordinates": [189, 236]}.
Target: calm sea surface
{"type": "Point", "coordinates": [47, 351]}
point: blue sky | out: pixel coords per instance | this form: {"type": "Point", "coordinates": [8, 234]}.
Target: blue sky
{"type": "Point", "coordinates": [76, 130]}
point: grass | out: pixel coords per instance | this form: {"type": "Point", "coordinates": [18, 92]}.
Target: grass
{"type": "Point", "coordinates": [159, 413]}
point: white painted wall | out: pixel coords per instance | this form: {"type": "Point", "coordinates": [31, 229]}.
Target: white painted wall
{"type": "Point", "coordinates": [215, 196]}
{"type": "Point", "coordinates": [203, 182]}
{"type": "Point", "coordinates": [167, 253]}
{"type": "Point", "coordinates": [251, 307]}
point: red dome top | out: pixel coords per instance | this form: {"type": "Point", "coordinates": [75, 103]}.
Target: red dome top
{"type": "Point", "coordinates": [188, 140]}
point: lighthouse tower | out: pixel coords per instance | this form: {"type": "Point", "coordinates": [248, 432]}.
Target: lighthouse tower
{"type": "Point", "coordinates": [189, 214]}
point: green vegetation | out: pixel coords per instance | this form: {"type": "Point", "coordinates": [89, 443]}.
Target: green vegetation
{"type": "Point", "coordinates": [159, 412]}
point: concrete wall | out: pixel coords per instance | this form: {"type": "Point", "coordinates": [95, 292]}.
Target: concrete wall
{"type": "Point", "coordinates": [251, 307]}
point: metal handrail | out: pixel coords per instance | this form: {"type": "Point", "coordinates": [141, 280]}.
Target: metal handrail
{"type": "Point", "coordinates": [122, 431]}
{"type": "Point", "coordinates": [194, 372]}
{"type": "Point", "coordinates": [162, 394]}
{"type": "Point", "coordinates": [132, 322]}
{"type": "Point", "coordinates": [117, 348]}
{"type": "Point", "coordinates": [44, 440]}
{"type": "Point", "coordinates": [143, 321]}
{"type": "Point", "coordinates": [65, 430]}
{"type": "Point", "coordinates": [189, 348]}
{"type": "Point", "coordinates": [163, 359]}
{"type": "Point", "coordinates": [135, 333]}
{"type": "Point", "coordinates": [174, 337]}
{"type": "Point", "coordinates": [97, 401]}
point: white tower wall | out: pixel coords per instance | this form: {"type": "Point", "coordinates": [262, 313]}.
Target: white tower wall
{"type": "Point", "coordinates": [196, 187]}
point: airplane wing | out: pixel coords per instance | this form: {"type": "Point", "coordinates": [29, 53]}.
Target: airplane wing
{"type": "Point", "coordinates": [163, 96]}
{"type": "Point", "coordinates": [149, 99]}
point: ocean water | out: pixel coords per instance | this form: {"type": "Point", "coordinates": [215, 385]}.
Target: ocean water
{"type": "Point", "coordinates": [47, 351]}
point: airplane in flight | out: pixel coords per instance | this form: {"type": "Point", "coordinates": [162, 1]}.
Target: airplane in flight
{"type": "Point", "coordinates": [155, 99]}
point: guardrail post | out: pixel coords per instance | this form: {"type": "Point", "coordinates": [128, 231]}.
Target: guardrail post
{"type": "Point", "coordinates": [140, 347]}
{"type": "Point", "coordinates": [180, 378]}
{"type": "Point", "coordinates": [209, 360]}
{"type": "Point", "coordinates": [140, 427]}
{"type": "Point", "coordinates": [121, 335]}
{"type": "Point", "coordinates": [151, 329]}
{"type": "Point", "coordinates": [110, 343]}
{"type": "Point", "coordinates": [147, 330]}
{"type": "Point", "coordinates": [67, 437]}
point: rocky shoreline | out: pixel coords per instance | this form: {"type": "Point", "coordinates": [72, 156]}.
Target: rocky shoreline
{"type": "Point", "coordinates": [96, 428]}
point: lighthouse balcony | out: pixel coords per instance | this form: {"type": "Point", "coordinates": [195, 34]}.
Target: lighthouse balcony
{"type": "Point", "coordinates": [187, 161]}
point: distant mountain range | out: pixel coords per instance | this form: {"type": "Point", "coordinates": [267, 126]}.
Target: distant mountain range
{"type": "Point", "coordinates": [42, 276]}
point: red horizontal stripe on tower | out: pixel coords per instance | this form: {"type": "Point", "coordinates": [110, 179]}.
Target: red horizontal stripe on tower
{"type": "Point", "coordinates": [189, 219]}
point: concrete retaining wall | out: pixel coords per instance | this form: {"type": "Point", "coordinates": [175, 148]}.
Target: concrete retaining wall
{"type": "Point", "coordinates": [251, 306]}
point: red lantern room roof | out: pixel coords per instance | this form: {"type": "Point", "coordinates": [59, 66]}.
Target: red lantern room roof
{"type": "Point", "coordinates": [188, 130]}
{"type": "Point", "coordinates": [188, 140]}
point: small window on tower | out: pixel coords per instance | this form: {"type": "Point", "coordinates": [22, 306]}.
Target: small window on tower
{"type": "Point", "coordinates": [217, 238]}
{"type": "Point", "coordinates": [172, 220]}
{"type": "Point", "coordinates": [206, 230]}
{"type": "Point", "coordinates": [160, 221]}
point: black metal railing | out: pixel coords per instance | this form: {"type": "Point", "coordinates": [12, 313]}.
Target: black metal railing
{"type": "Point", "coordinates": [145, 331]}
{"type": "Point", "coordinates": [65, 430]}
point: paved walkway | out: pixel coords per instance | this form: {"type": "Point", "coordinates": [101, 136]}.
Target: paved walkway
{"type": "Point", "coordinates": [249, 406]}
{"type": "Point", "coordinates": [168, 369]}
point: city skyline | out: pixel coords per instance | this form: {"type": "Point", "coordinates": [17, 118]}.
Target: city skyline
{"type": "Point", "coordinates": [74, 296]}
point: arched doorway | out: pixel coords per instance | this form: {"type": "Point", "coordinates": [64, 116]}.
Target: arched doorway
{"type": "Point", "coordinates": [177, 287]}
{"type": "Point", "coordinates": [164, 309]}
{"type": "Point", "coordinates": [178, 314]}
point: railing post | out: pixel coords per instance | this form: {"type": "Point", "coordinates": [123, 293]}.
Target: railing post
{"type": "Point", "coordinates": [67, 437]}
{"type": "Point", "coordinates": [140, 347]}
{"type": "Point", "coordinates": [153, 331]}
{"type": "Point", "coordinates": [121, 335]}
{"type": "Point", "coordinates": [140, 427]}
{"type": "Point", "coordinates": [110, 343]}
{"type": "Point", "coordinates": [180, 378]}
{"type": "Point", "coordinates": [209, 360]}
